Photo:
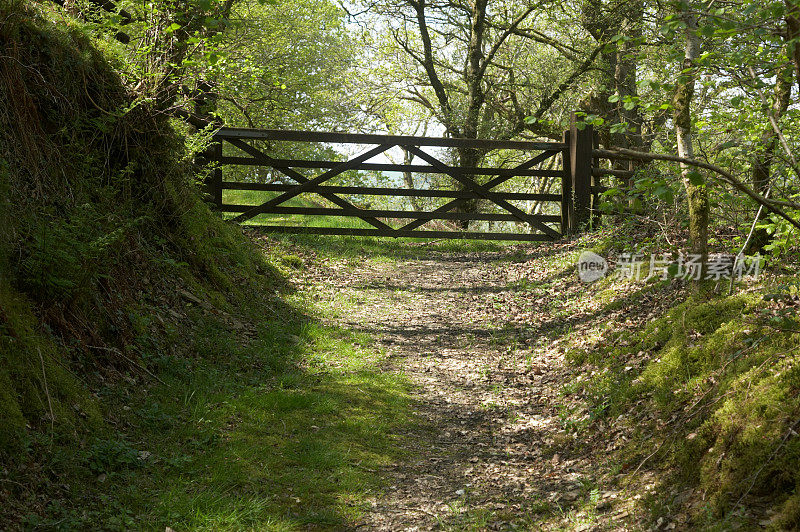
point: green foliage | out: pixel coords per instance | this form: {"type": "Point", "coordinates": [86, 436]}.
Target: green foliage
{"type": "Point", "coordinates": [783, 235]}
{"type": "Point", "coordinates": [96, 195]}
{"type": "Point", "coordinates": [35, 388]}
{"type": "Point", "coordinates": [649, 188]}
{"type": "Point", "coordinates": [277, 82]}
{"type": "Point", "coordinates": [111, 456]}
{"type": "Point", "coordinates": [96, 260]}
{"type": "Point", "coordinates": [97, 200]}
{"type": "Point", "coordinates": [67, 257]}
{"type": "Point", "coordinates": [587, 119]}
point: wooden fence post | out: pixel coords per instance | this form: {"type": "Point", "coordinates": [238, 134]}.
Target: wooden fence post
{"type": "Point", "coordinates": [566, 188]}
{"type": "Point", "coordinates": [596, 219]}
{"type": "Point", "coordinates": [216, 176]}
{"type": "Point", "coordinates": [580, 149]}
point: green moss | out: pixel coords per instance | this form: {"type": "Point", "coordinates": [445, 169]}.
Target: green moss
{"type": "Point", "coordinates": [292, 261]}
{"type": "Point", "coordinates": [789, 516]}
{"type": "Point", "coordinates": [749, 444]}
{"type": "Point", "coordinates": [36, 389]}
{"type": "Point", "coordinates": [728, 384]}
{"type": "Point", "coordinates": [691, 340]}
{"type": "Point", "coordinates": [95, 196]}
{"type": "Point", "coordinates": [10, 412]}
{"type": "Point", "coordinates": [6, 233]}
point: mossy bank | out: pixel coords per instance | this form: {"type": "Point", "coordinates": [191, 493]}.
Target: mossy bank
{"type": "Point", "coordinates": [707, 395]}
{"type": "Point", "coordinates": [150, 354]}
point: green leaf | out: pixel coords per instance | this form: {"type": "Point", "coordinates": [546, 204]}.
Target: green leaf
{"type": "Point", "coordinates": [672, 270]}
{"type": "Point", "coordinates": [695, 178]}
{"type": "Point", "coordinates": [172, 27]}
{"type": "Point", "coordinates": [707, 31]}
{"type": "Point", "coordinates": [622, 127]}
{"type": "Point", "coordinates": [664, 193]}
{"type": "Point", "coordinates": [613, 98]}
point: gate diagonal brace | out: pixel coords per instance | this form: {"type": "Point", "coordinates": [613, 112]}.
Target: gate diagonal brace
{"type": "Point", "coordinates": [300, 178]}
{"type": "Point", "coordinates": [500, 179]}
{"type": "Point", "coordinates": [484, 192]}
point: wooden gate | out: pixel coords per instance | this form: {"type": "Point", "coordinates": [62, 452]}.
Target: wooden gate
{"type": "Point", "coordinates": [238, 146]}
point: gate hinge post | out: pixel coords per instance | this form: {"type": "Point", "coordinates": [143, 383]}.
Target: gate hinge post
{"type": "Point", "coordinates": [580, 150]}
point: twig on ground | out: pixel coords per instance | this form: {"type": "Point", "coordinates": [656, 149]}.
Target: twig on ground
{"type": "Point", "coordinates": [133, 363]}
{"type": "Point", "coordinates": [47, 392]}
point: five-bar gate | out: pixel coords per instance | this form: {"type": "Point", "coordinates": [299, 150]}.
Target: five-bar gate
{"type": "Point", "coordinates": [238, 146]}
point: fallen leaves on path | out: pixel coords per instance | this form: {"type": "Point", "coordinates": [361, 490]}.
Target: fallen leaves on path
{"type": "Point", "coordinates": [481, 335]}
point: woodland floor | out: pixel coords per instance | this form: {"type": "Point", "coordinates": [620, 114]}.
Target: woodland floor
{"type": "Point", "coordinates": [478, 336]}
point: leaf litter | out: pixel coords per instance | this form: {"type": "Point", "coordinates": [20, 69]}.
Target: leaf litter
{"type": "Point", "coordinates": [483, 336]}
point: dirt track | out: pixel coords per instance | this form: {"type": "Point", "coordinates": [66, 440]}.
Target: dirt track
{"type": "Point", "coordinates": [495, 452]}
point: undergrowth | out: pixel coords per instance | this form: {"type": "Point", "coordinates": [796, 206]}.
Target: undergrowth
{"type": "Point", "coordinates": [97, 198]}
{"type": "Point", "coordinates": [708, 394]}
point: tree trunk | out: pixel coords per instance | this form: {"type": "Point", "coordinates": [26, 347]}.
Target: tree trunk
{"type": "Point", "coordinates": [408, 179]}
{"type": "Point", "coordinates": [793, 34]}
{"type": "Point", "coordinates": [762, 163]}
{"type": "Point", "coordinates": [619, 74]}
{"type": "Point", "coordinates": [602, 23]}
{"type": "Point", "coordinates": [625, 79]}
{"type": "Point", "coordinates": [696, 195]}
{"type": "Point", "coordinates": [468, 158]}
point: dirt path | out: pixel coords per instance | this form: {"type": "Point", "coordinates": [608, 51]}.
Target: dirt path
{"type": "Point", "coordinates": [494, 453]}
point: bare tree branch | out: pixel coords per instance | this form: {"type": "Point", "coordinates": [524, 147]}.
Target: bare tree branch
{"type": "Point", "coordinates": [519, 20]}
{"type": "Point", "coordinates": [430, 69]}
{"type": "Point", "coordinates": [551, 98]}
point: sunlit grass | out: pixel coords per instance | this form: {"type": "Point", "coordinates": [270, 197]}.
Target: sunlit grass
{"type": "Point", "coordinates": [281, 433]}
